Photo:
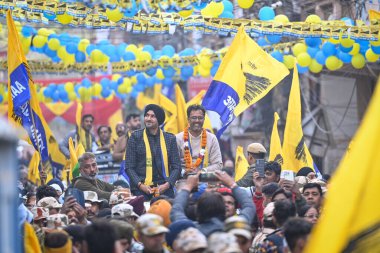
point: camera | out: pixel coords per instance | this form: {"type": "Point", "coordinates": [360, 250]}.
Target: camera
{"type": "Point", "coordinates": [208, 177]}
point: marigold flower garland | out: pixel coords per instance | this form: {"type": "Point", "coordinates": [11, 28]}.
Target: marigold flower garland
{"type": "Point", "coordinates": [187, 155]}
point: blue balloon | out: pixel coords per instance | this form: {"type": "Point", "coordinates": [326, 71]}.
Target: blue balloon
{"type": "Point", "coordinates": [226, 14]}
{"type": "Point", "coordinates": [214, 69]}
{"type": "Point", "coordinates": [262, 42]}
{"type": "Point", "coordinates": [346, 58]}
{"type": "Point", "coordinates": [56, 59]}
{"type": "Point", "coordinates": [121, 48]}
{"type": "Point", "coordinates": [80, 56]}
{"type": "Point", "coordinates": [185, 78]}
{"type": "Point", "coordinates": [130, 73]}
{"type": "Point", "coordinates": [149, 49]}
{"type": "Point", "coordinates": [266, 13]}
{"type": "Point", "coordinates": [64, 38]}
{"type": "Point", "coordinates": [228, 6]}
{"type": "Point", "coordinates": [47, 92]}
{"type": "Point", "coordinates": [274, 39]}
{"type": "Point", "coordinates": [76, 88]}
{"type": "Point", "coordinates": [168, 72]}
{"type": "Point", "coordinates": [27, 31]}
{"type": "Point", "coordinates": [113, 85]}
{"type": "Point", "coordinates": [313, 42]}
{"type": "Point", "coordinates": [49, 52]}
{"type": "Point", "coordinates": [320, 57]}
{"type": "Point", "coordinates": [141, 78]}
{"type": "Point", "coordinates": [86, 82]}
{"type": "Point", "coordinates": [1, 98]}
{"type": "Point", "coordinates": [277, 55]}
{"type": "Point", "coordinates": [139, 86]}
{"type": "Point", "coordinates": [105, 93]}
{"type": "Point", "coordinates": [53, 36]}
{"type": "Point", "coordinates": [302, 70]}
{"type": "Point", "coordinates": [168, 50]}
{"type": "Point", "coordinates": [105, 82]}
{"type": "Point", "coordinates": [71, 48]}
{"type": "Point", "coordinates": [167, 82]}
{"type": "Point", "coordinates": [345, 49]}
{"type": "Point", "coordinates": [199, 5]}
{"type": "Point", "coordinates": [187, 71]}
{"type": "Point", "coordinates": [157, 54]}
{"type": "Point", "coordinates": [328, 49]}
{"type": "Point", "coordinates": [375, 49]}
{"type": "Point", "coordinates": [55, 96]}
{"type": "Point", "coordinates": [348, 21]}
{"type": "Point", "coordinates": [312, 51]}
{"type": "Point", "coordinates": [151, 71]}
{"type": "Point", "coordinates": [103, 42]}
{"type": "Point", "coordinates": [134, 93]}
{"type": "Point", "coordinates": [62, 95]}
{"type": "Point", "coordinates": [90, 48]}
{"type": "Point", "coordinates": [114, 58]}
{"type": "Point", "coordinates": [364, 45]}
{"type": "Point", "coordinates": [131, 11]}
{"type": "Point", "coordinates": [129, 56]}
{"type": "Point", "coordinates": [150, 82]}
{"type": "Point", "coordinates": [120, 80]}
{"type": "Point", "coordinates": [50, 17]}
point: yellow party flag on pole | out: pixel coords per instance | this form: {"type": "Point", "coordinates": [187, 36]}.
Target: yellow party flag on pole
{"type": "Point", "coordinates": [181, 108]}
{"type": "Point", "coordinates": [241, 163]}
{"type": "Point", "coordinates": [113, 120]}
{"type": "Point", "coordinates": [197, 99]}
{"type": "Point", "coordinates": [295, 152]}
{"type": "Point", "coordinates": [33, 172]}
{"type": "Point", "coordinates": [350, 220]}
{"type": "Point", "coordinates": [275, 153]}
{"type": "Point", "coordinates": [247, 73]}
{"type": "Point", "coordinates": [170, 109]}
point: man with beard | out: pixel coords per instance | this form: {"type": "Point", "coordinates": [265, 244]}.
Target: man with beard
{"type": "Point", "coordinates": [152, 160]}
{"type": "Point", "coordinates": [87, 180]}
{"type": "Point", "coordinates": [199, 149]}
{"type": "Point", "coordinates": [105, 139]}
{"type": "Point", "coordinates": [133, 123]}
{"type": "Point", "coordinates": [93, 204]}
{"type": "Point", "coordinates": [82, 135]}
{"type": "Point", "coordinates": [120, 129]}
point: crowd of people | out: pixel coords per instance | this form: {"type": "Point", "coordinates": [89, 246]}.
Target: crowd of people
{"type": "Point", "coordinates": [177, 196]}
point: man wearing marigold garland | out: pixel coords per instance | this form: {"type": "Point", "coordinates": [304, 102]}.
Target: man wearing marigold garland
{"type": "Point", "coordinates": [199, 149]}
{"type": "Point", "coordinates": [152, 159]}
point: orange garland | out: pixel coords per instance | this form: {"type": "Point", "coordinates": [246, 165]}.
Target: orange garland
{"type": "Point", "coordinates": [187, 156]}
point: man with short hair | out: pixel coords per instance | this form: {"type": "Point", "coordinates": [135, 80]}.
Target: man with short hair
{"type": "Point", "coordinates": [152, 159]}
{"type": "Point", "coordinates": [105, 141]}
{"type": "Point", "coordinates": [199, 149]}
{"type": "Point", "coordinates": [296, 231]}
{"type": "Point", "coordinates": [93, 204]}
{"type": "Point", "coordinates": [133, 123]}
{"type": "Point", "coordinates": [87, 180]}
{"type": "Point", "coordinates": [82, 135]}
{"type": "Point", "coordinates": [272, 172]}
{"type": "Point", "coordinates": [120, 129]}
{"type": "Point", "coordinates": [100, 237]}
{"type": "Point", "coordinates": [254, 151]}
{"type": "Point", "coordinates": [313, 194]}
{"type": "Point", "coordinates": [151, 233]}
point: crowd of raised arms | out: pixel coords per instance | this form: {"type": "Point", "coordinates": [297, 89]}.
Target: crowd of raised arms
{"type": "Point", "coordinates": [174, 194]}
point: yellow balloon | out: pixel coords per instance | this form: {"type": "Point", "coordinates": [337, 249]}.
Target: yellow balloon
{"type": "Point", "coordinates": [358, 61]}
{"type": "Point", "coordinates": [313, 19]}
{"type": "Point", "coordinates": [332, 63]}
{"type": "Point", "coordinates": [72, 95]}
{"type": "Point", "coordinates": [64, 18]}
{"type": "Point", "coordinates": [69, 87]}
{"type": "Point", "coordinates": [304, 59]}
{"type": "Point", "coordinates": [39, 41]}
{"type": "Point", "coordinates": [83, 44]}
{"type": "Point", "coordinates": [205, 62]}
{"type": "Point", "coordinates": [122, 89]}
{"type": "Point", "coordinates": [53, 44]}
{"type": "Point", "coordinates": [186, 13]}
{"type": "Point", "coordinates": [127, 82]}
{"type": "Point", "coordinates": [96, 56]}
{"type": "Point", "coordinates": [375, 43]}
{"type": "Point", "coordinates": [82, 91]}
{"type": "Point", "coordinates": [281, 19]}
{"type": "Point", "coordinates": [245, 4]}
{"type": "Point", "coordinates": [334, 41]}
{"type": "Point", "coordinates": [134, 80]}
{"type": "Point", "coordinates": [289, 61]}
{"type": "Point", "coordinates": [315, 67]}
{"type": "Point", "coordinates": [355, 49]}
{"type": "Point", "coordinates": [299, 48]}
{"type": "Point", "coordinates": [371, 56]}
{"type": "Point", "coordinates": [96, 89]}
{"type": "Point", "coordinates": [69, 59]}
{"type": "Point", "coordinates": [114, 15]}
{"type": "Point", "coordinates": [204, 72]}
{"type": "Point", "coordinates": [61, 52]}
{"type": "Point", "coordinates": [347, 42]}
{"type": "Point", "coordinates": [159, 74]}
{"type": "Point", "coordinates": [132, 48]}
{"type": "Point", "coordinates": [109, 98]}
{"type": "Point", "coordinates": [144, 56]}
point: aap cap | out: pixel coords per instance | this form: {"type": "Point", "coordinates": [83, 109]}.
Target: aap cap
{"type": "Point", "coordinates": [57, 220]}
{"type": "Point", "coordinates": [40, 213]}
{"type": "Point", "coordinates": [237, 225]}
{"type": "Point", "coordinates": [119, 196]}
{"type": "Point", "coordinates": [150, 224]}
{"type": "Point", "coordinates": [123, 210]}
{"type": "Point", "coordinates": [91, 196]}
{"type": "Point", "coordinates": [49, 202]}
{"type": "Point", "coordinates": [256, 148]}
{"type": "Point", "coordinates": [190, 239]}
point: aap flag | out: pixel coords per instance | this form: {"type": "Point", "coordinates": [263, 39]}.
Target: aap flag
{"type": "Point", "coordinates": [23, 106]}
{"type": "Point", "coordinates": [247, 73]}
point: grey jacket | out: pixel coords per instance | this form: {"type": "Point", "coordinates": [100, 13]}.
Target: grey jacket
{"type": "Point", "coordinates": [64, 144]}
{"type": "Point", "coordinates": [214, 224]}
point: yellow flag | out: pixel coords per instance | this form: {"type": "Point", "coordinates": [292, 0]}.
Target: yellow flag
{"type": "Point", "coordinates": [275, 153]}
{"type": "Point", "coordinates": [33, 172]}
{"type": "Point", "coordinates": [73, 157]}
{"type": "Point", "coordinates": [113, 120]}
{"type": "Point", "coordinates": [181, 109]}
{"type": "Point", "coordinates": [351, 214]}
{"type": "Point", "coordinates": [78, 115]}
{"type": "Point", "coordinates": [373, 14]}
{"type": "Point", "coordinates": [80, 150]}
{"type": "Point", "coordinates": [241, 163]}
{"type": "Point", "coordinates": [247, 73]}
{"type": "Point", "coordinates": [170, 109]}
{"type": "Point", "coordinates": [142, 100]}
{"type": "Point", "coordinates": [295, 152]}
